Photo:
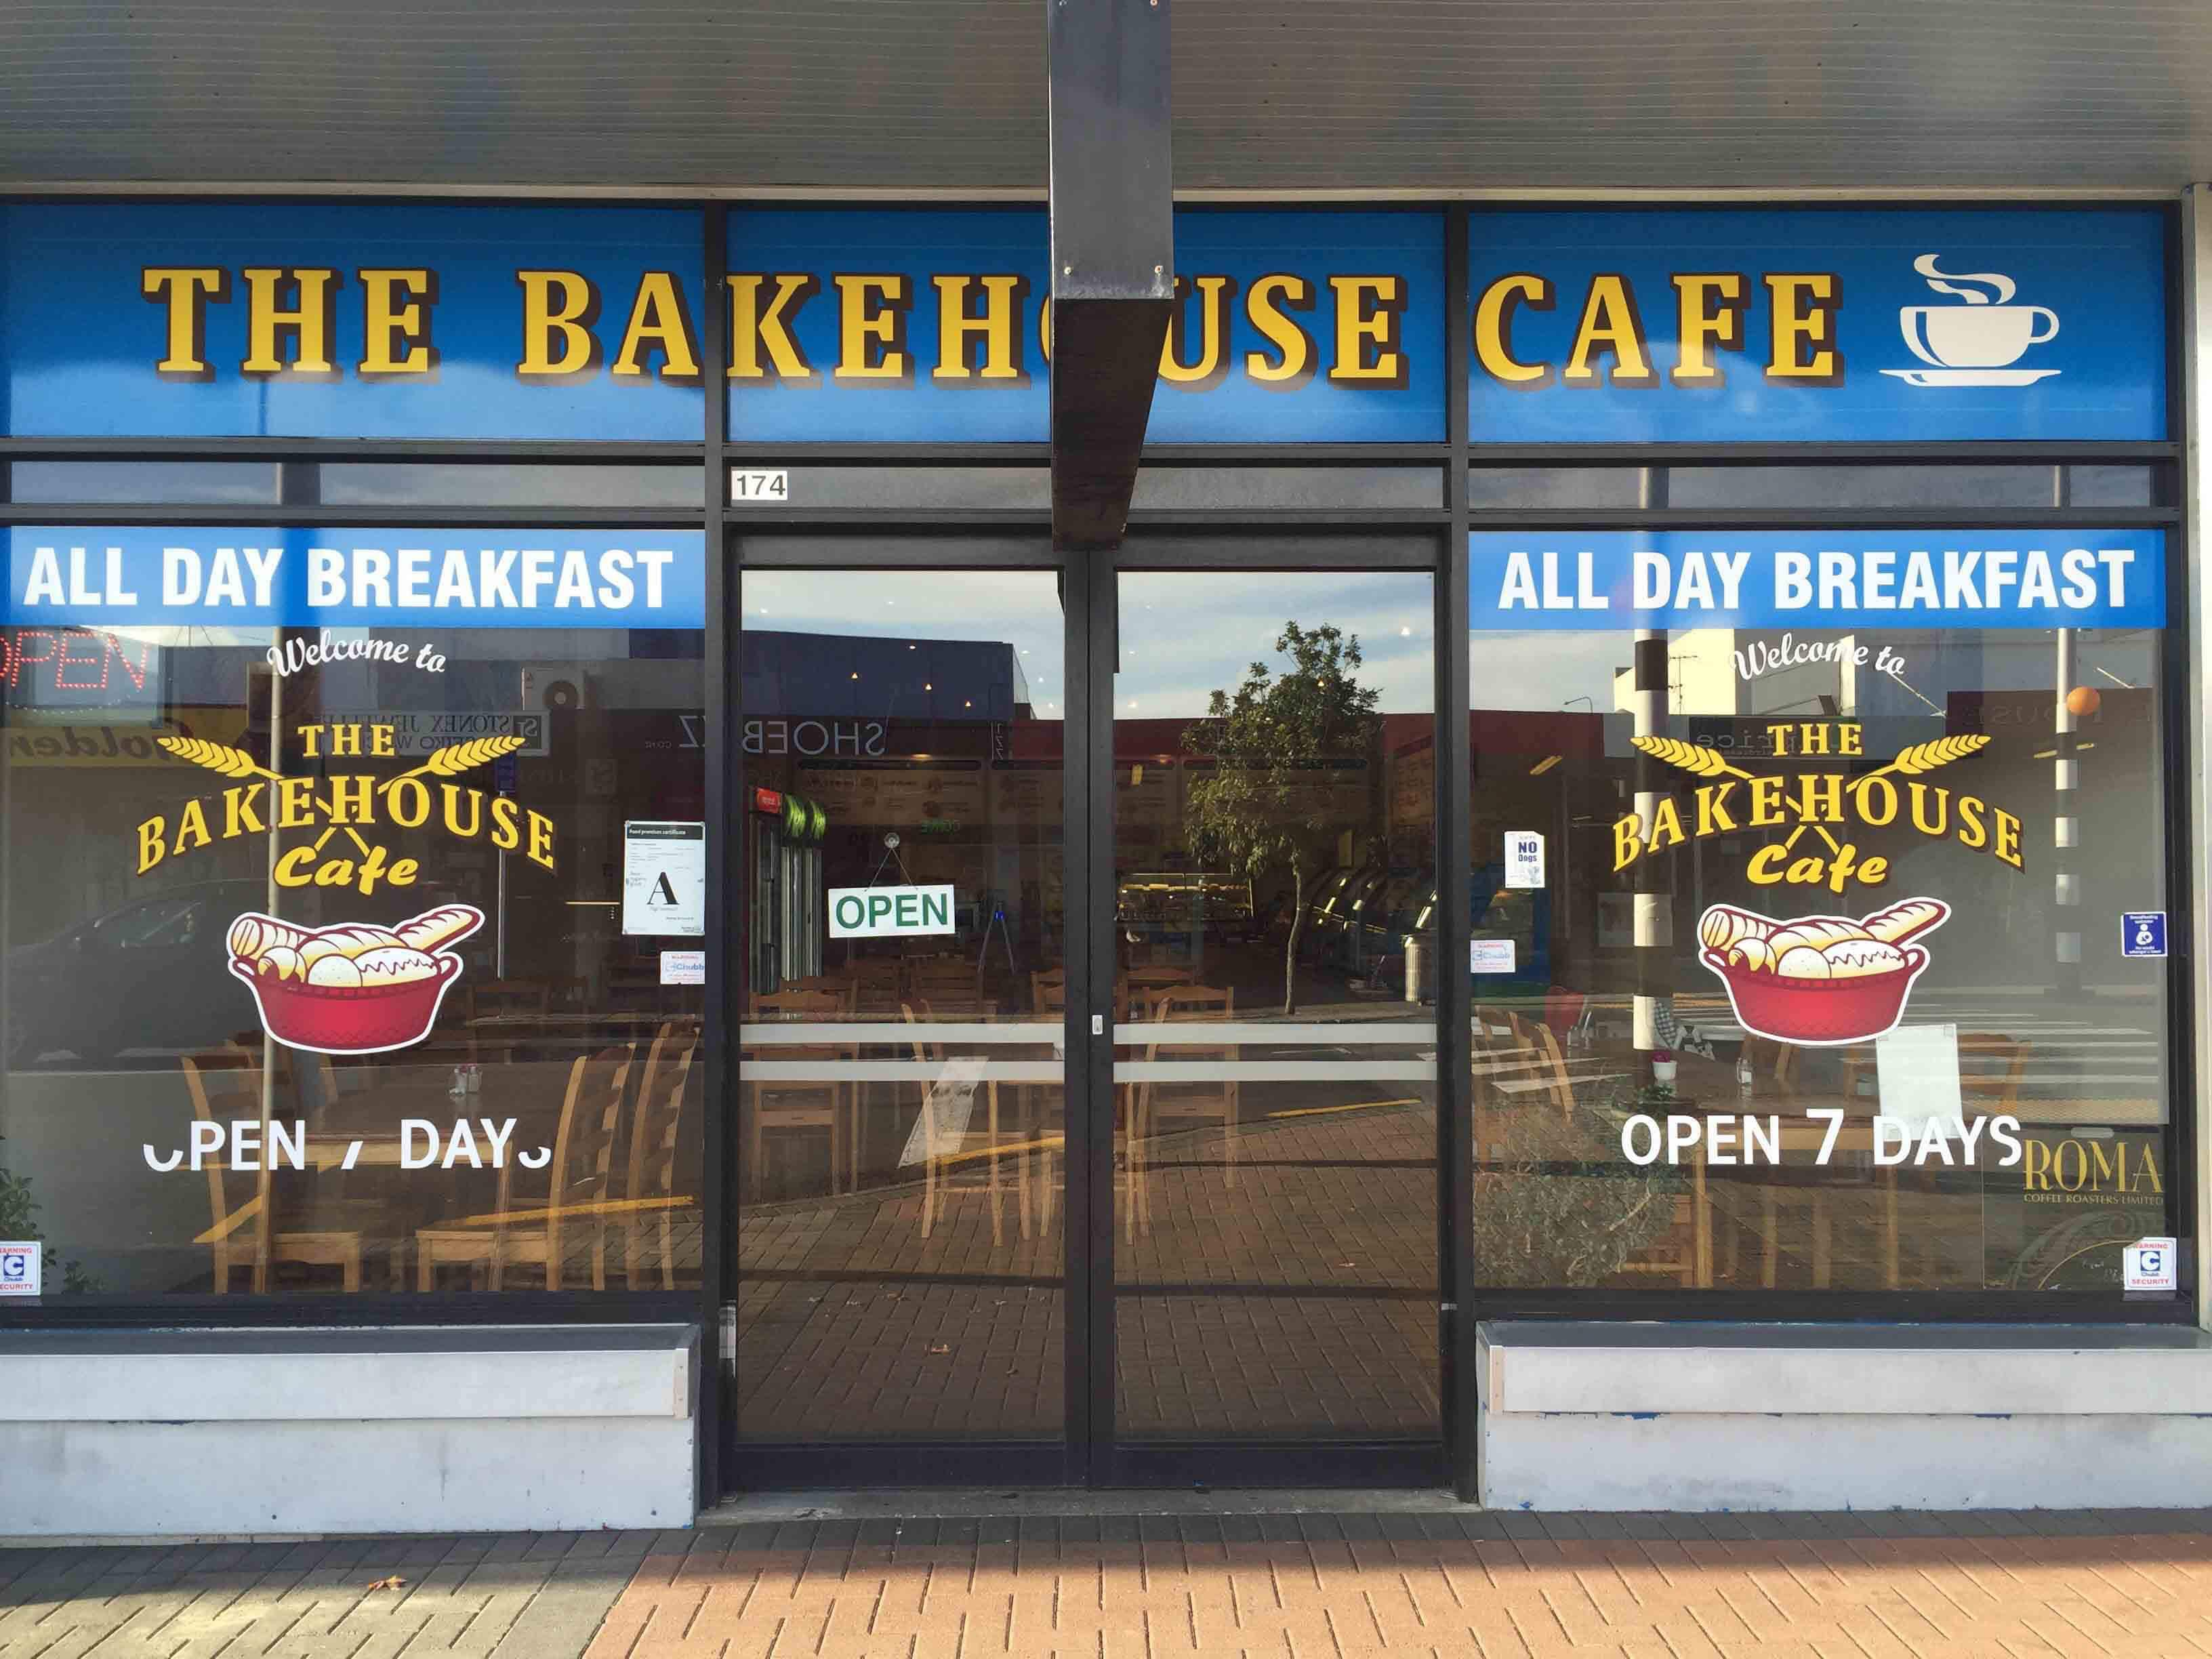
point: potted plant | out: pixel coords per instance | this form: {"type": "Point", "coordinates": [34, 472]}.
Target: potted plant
{"type": "Point", "coordinates": [1662, 1066]}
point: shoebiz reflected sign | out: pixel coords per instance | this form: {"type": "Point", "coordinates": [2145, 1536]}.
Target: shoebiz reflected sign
{"type": "Point", "coordinates": [1817, 325]}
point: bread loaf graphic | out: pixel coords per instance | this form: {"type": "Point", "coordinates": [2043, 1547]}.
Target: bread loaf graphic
{"type": "Point", "coordinates": [355, 988]}
{"type": "Point", "coordinates": [350, 955]}
{"type": "Point", "coordinates": [1723, 924]}
{"type": "Point", "coordinates": [1902, 921]}
{"type": "Point", "coordinates": [1821, 979]}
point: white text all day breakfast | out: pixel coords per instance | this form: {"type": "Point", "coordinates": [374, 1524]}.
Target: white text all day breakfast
{"type": "Point", "coordinates": [1903, 579]}
{"type": "Point", "coordinates": [247, 578]}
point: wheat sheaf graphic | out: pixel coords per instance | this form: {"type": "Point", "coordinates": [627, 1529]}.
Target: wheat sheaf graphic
{"type": "Point", "coordinates": [215, 756]}
{"type": "Point", "coordinates": [1915, 758]}
{"type": "Point", "coordinates": [456, 758]}
{"type": "Point", "coordinates": [1691, 757]}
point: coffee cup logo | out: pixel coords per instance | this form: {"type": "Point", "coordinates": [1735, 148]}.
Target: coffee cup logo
{"type": "Point", "coordinates": [1979, 337]}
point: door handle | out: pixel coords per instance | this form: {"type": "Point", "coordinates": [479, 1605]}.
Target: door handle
{"type": "Point", "coordinates": [1098, 1026]}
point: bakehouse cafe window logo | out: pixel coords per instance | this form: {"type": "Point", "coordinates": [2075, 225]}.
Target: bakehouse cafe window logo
{"type": "Point", "coordinates": [1819, 979]}
{"type": "Point", "coordinates": [350, 987]}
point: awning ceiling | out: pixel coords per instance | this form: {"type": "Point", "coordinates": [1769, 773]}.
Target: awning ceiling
{"type": "Point", "coordinates": [946, 96]}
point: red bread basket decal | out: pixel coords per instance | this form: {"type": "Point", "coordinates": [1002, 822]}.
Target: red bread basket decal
{"type": "Point", "coordinates": [350, 988]}
{"type": "Point", "coordinates": [1820, 981]}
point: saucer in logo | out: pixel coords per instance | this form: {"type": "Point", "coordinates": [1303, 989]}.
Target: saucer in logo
{"type": "Point", "coordinates": [1977, 341]}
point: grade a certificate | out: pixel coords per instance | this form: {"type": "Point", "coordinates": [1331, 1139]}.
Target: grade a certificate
{"type": "Point", "coordinates": [664, 877]}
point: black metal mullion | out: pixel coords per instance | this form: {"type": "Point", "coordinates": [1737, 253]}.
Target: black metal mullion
{"type": "Point", "coordinates": [726, 782]}
{"type": "Point", "coordinates": [1097, 572]}
{"type": "Point", "coordinates": [1076, 1110]}
{"type": "Point", "coordinates": [1455, 995]}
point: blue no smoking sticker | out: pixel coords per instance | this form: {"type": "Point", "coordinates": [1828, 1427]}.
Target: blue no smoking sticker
{"type": "Point", "coordinates": [2143, 933]}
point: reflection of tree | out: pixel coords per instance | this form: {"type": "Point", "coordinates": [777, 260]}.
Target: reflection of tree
{"type": "Point", "coordinates": [1261, 808]}
{"type": "Point", "coordinates": [1555, 1202]}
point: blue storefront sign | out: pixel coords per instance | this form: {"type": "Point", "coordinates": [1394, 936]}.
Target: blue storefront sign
{"type": "Point", "coordinates": [112, 578]}
{"type": "Point", "coordinates": [1815, 324]}
{"type": "Point", "coordinates": [250, 320]}
{"type": "Point", "coordinates": [1520, 580]}
{"type": "Point", "coordinates": [931, 325]}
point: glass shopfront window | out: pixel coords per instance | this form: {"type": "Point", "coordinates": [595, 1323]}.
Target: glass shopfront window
{"type": "Point", "coordinates": [352, 960]}
{"type": "Point", "coordinates": [1832, 967]}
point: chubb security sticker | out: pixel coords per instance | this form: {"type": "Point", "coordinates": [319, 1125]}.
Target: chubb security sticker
{"type": "Point", "coordinates": [19, 1268]}
{"type": "Point", "coordinates": [2149, 1265]}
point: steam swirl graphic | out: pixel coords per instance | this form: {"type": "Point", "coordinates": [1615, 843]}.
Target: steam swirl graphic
{"type": "Point", "coordinates": [1991, 286]}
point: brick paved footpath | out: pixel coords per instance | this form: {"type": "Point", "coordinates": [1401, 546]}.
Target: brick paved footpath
{"type": "Point", "coordinates": [2099, 1585]}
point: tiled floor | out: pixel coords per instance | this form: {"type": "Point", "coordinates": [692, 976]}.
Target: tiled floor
{"type": "Point", "coordinates": [2091, 1584]}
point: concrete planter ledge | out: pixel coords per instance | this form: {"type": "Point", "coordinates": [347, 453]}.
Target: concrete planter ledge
{"type": "Point", "coordinates": [1529, 1365]}
{"type": "Point", "coordinates": [1656, 1416]}
{"type": "Point", "coordinates": [325, 1430]}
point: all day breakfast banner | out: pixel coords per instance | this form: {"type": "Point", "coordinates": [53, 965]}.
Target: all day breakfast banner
{"type": "Point", "coordinates": [1838, 580]}
{"type": "Point", "coordinates": [423, 578]}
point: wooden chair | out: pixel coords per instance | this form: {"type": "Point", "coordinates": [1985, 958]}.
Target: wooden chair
{"type": "Point", "coordinates": [509, 996]}
{"type": "Point", "coordinates": [802, 1104]}
{"type": "Point", "coordinates": [655, 1138]}
{"type": "Point", "coordinates": [942, 1145]}
{"type": "Point", "coordinates": [878, 982]}
{"type": "Point", "coordinates": [934, 977]}
{"type": "Point", "coordinates": [1180, 1102]}
{"type": "Point", "coordinates": [839, 986]}
{"type": "Point", "coordinates": [1048, 992]}
{"type": "Point", "coordinates": [265, 1243]}
{"type": "Point", "coordinates": [576, 1185]}
{"type": "Point", "coordinates": [1992, 1091]}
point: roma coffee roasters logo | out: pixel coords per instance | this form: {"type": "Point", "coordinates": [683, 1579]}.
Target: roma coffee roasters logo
{"type": "Point", "coordinates": [349, 987]}
{"type": "Point", "coordinates": [1824, 809]}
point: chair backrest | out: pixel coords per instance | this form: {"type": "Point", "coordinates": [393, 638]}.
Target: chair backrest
{"type": "Point", "coordinates": [235, 1061]}
{"type": "Point", "coordinates": [957, 1004]}
{"type": "Point", "coordinates": [2009, 1052]}
{"type": "Point", "coordinates": [659, 1111]}
{"type": "Point", "coordinates": [1552, 1067]}
{"type": "Point", "coordinates": [1773, 1058]}
{"type": "Point", "coordinates": [786, 1005]}
{"type": "Point", "coordinates": [589, 1112]}
{"type": "Point", "coordinates": [1195, 1002]}
{"type": "Point", "coordinates": [1048, 991]}
{"type": "Point", "coordinates": [840, 986]}
{"type": "Point", "coordinates": [509, 996]}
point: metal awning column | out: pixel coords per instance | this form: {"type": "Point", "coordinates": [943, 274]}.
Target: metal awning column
{"type": "Point", "coordinates": [1113, 253]}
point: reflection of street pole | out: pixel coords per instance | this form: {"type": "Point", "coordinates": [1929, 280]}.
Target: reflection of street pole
{"type": "Point", "coordinates": [1566, 927]}
{"type": "Point", "coordinates": [1654, 914]}
{"type": "Point", "coordinates": [2066, 893]}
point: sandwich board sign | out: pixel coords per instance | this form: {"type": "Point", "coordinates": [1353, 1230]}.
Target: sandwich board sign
{"type": "Point", "coordinates": [890, 912]}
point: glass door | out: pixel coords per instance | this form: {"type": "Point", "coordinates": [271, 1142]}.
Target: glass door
{"type": "Point", "coordinates": [1274, 1287]}
{"type": "Point", "coordinates": [900, 1110]}
{"type": "Point", "coordinates": [1189, 1233]}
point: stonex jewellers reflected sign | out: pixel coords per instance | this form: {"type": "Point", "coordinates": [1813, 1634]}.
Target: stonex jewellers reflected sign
{"type": "Point", "coordinates": [412, 578]}
{"type": "Point", "coordinates": [1629, 325]}
{"type": "Point", "coordinates": [1824, 579]}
